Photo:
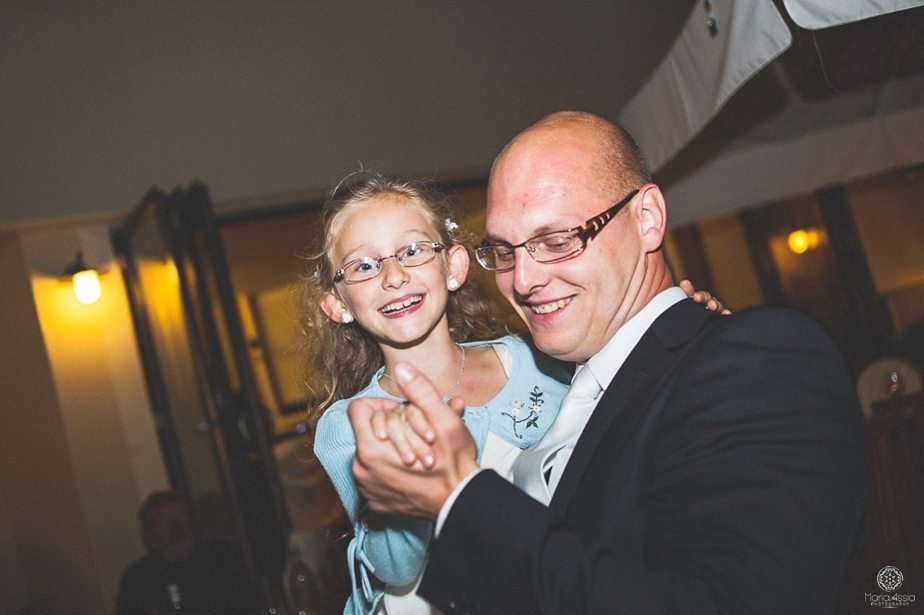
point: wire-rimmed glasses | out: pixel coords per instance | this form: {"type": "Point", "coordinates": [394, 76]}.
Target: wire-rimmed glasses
{"type": "Point", "coordinates": [367, 267]}
{"type": "Point", "coordinates": [549, 247]}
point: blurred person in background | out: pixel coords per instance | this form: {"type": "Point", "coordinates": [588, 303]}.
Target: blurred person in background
{"type": "Point", "coordinates": [183, 571]}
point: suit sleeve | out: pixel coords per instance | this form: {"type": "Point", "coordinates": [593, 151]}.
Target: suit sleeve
{"type": "Point", "coordinates": [744, 496]}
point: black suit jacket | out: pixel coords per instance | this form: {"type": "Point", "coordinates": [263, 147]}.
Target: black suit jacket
{"type": "Point", "coordinates": [721, 472]}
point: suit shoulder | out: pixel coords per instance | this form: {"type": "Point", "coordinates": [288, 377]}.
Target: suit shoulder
{"type": "Point", "coordinates": [773, 313]}
{"type": "Point", "coordinates": [770, 338]}
{"type": "Point", "coordinates": [778, 323]}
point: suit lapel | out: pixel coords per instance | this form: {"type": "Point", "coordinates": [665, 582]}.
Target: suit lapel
{"type": "Point", "coordinates": [641, 370]}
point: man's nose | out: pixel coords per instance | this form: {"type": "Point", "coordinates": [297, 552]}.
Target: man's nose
{"type": "Point", "coordinates": [527, 273]}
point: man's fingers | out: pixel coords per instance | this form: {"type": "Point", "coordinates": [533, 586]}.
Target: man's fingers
{"type": "Point", "coordinates": [458, 405]}
{"type": "Point", "coordinates": [361, 412]}
{"type": "Point", "coordinates": [417, 389]}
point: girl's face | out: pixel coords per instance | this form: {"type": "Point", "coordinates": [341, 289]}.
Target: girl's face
{"type": "Point", "coordinates": [401, 306]}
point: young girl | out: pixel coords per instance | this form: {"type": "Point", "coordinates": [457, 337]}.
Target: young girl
{"type": "Point", "coordinates": [390, 286]}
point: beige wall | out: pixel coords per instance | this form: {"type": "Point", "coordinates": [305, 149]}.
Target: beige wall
{"type": "Point", "coordinates": [80, 450]}
{"type": "Point", "coordinates": [890, 221]}
{"type": "Point", "coordinates": [45, 513]}
{"type": "Point", "coordinates": [729, 261]}
{"type": "Point", "coordinates": [20, 349]}
{"type": "Point", "coordinates": [12, 585]}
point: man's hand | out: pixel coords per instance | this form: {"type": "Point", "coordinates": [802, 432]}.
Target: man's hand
{"type": "Point", "coordinates": [394, 484]}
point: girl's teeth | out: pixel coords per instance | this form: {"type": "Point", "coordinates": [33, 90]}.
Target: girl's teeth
{"type": "Point", "coordinates": [394, 307]}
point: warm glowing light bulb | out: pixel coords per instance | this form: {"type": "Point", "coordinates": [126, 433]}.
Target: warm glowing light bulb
{"type": "Point", "coordinates": [803, 240]}
{"type": "Point", "coordinates": [86, 286]}
{"type": "Point", "coordinates": [814, 238]}
{"type": "Point", "coordinates": [799, 241]}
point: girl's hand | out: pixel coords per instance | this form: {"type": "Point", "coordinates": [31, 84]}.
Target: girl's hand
{"type": "Point", "coordinates": [703, 297]}
{"type": "Point", "coordinates": [409, 432]}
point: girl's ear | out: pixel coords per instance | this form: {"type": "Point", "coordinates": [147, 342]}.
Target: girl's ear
{"type": "Point", "coordinates": [335, 309]}
{"type": "Point", "coordinates": [457, 261]}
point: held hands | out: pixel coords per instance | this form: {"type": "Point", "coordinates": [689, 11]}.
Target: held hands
{"type": "Point", "coordinates": [703, 297]}
{"type": "Point", "coordinates": [409, 431]}
{"type": "Point", "coordinates": [410, 456]}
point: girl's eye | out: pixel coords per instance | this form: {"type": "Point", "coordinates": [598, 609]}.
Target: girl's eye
{"type": "Point", "coordinates": [364, 264]}
{"type": "Point", "coordinates": [412, 250]}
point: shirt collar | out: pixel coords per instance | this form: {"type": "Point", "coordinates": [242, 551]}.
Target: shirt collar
{"type": "Point", "coordinates": [610, 358]}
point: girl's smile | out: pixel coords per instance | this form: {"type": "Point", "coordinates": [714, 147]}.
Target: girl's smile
{"type": "Point", "coordinates": [402, 307]}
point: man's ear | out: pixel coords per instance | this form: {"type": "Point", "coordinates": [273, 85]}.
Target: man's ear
{"type": "Point", "coordinates": [652, 216]}
{"type": "Point", "coordinates": [335, 308]}
{"type": "Point", "coordinates": [457, 262]}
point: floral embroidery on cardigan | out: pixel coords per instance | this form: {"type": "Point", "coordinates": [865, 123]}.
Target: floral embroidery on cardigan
{"type": "Point", "coordinates": [531, 419]}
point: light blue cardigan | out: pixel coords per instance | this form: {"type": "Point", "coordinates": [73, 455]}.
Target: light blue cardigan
{"type": "Point", "coordinates": [520, 414]}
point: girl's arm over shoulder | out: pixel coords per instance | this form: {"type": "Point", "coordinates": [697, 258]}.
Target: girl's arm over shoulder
{"type": "Point", "coordinates": [704, 297]}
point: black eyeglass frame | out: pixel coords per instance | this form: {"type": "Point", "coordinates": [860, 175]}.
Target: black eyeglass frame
{"type": "Point", "coordinates": [590, 229]}
{"type": "Point", "coordinates": [340, 274]}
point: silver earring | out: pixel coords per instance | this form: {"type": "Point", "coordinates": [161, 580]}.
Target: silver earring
{"type": "Point", "coordinates": [347, 318]}
{"type": "Point", "coordinates": [452, 284]}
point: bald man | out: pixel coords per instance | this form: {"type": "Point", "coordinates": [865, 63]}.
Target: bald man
{"type": "Point", "coordinates": [715, 464]}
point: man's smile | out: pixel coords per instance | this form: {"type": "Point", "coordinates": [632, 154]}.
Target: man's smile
{"type": "Point", "coordinates": [548, 308]}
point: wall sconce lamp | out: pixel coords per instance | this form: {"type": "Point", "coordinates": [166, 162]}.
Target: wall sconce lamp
{"type": "Point", "coordinates": [85, 280]}
{"type": "Point", "coordinates": [802, 240]}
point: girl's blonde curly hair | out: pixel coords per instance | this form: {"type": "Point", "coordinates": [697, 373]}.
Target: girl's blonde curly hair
{"type": "Point", "coordinates": [340, 359]}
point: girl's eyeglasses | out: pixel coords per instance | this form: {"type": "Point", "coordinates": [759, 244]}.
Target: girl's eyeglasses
{"type": "Point", "coordinates": [368, 267]}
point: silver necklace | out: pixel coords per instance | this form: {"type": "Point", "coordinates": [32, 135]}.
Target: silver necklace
{"type": "Point", "coordinates": [455, 387]}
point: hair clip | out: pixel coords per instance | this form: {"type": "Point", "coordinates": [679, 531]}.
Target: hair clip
{"type": "Point", "coordinates": [451, 226]}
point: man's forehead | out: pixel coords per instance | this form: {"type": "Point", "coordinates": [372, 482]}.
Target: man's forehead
{"type": "Point", "coordinates": [555, 196]}
{"type": "Point", "coordinates": [520, 219]}
{"type": "Point", "coordinates": [545, 185]}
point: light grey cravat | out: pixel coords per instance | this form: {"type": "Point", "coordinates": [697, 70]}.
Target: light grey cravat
{"type": "Point", "coordinates": [551, 455]}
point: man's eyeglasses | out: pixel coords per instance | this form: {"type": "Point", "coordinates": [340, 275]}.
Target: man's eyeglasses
{"type": "Point", "coordinates": [549, 247]}
{"type": "Point", "coordinates": [367, 267]}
